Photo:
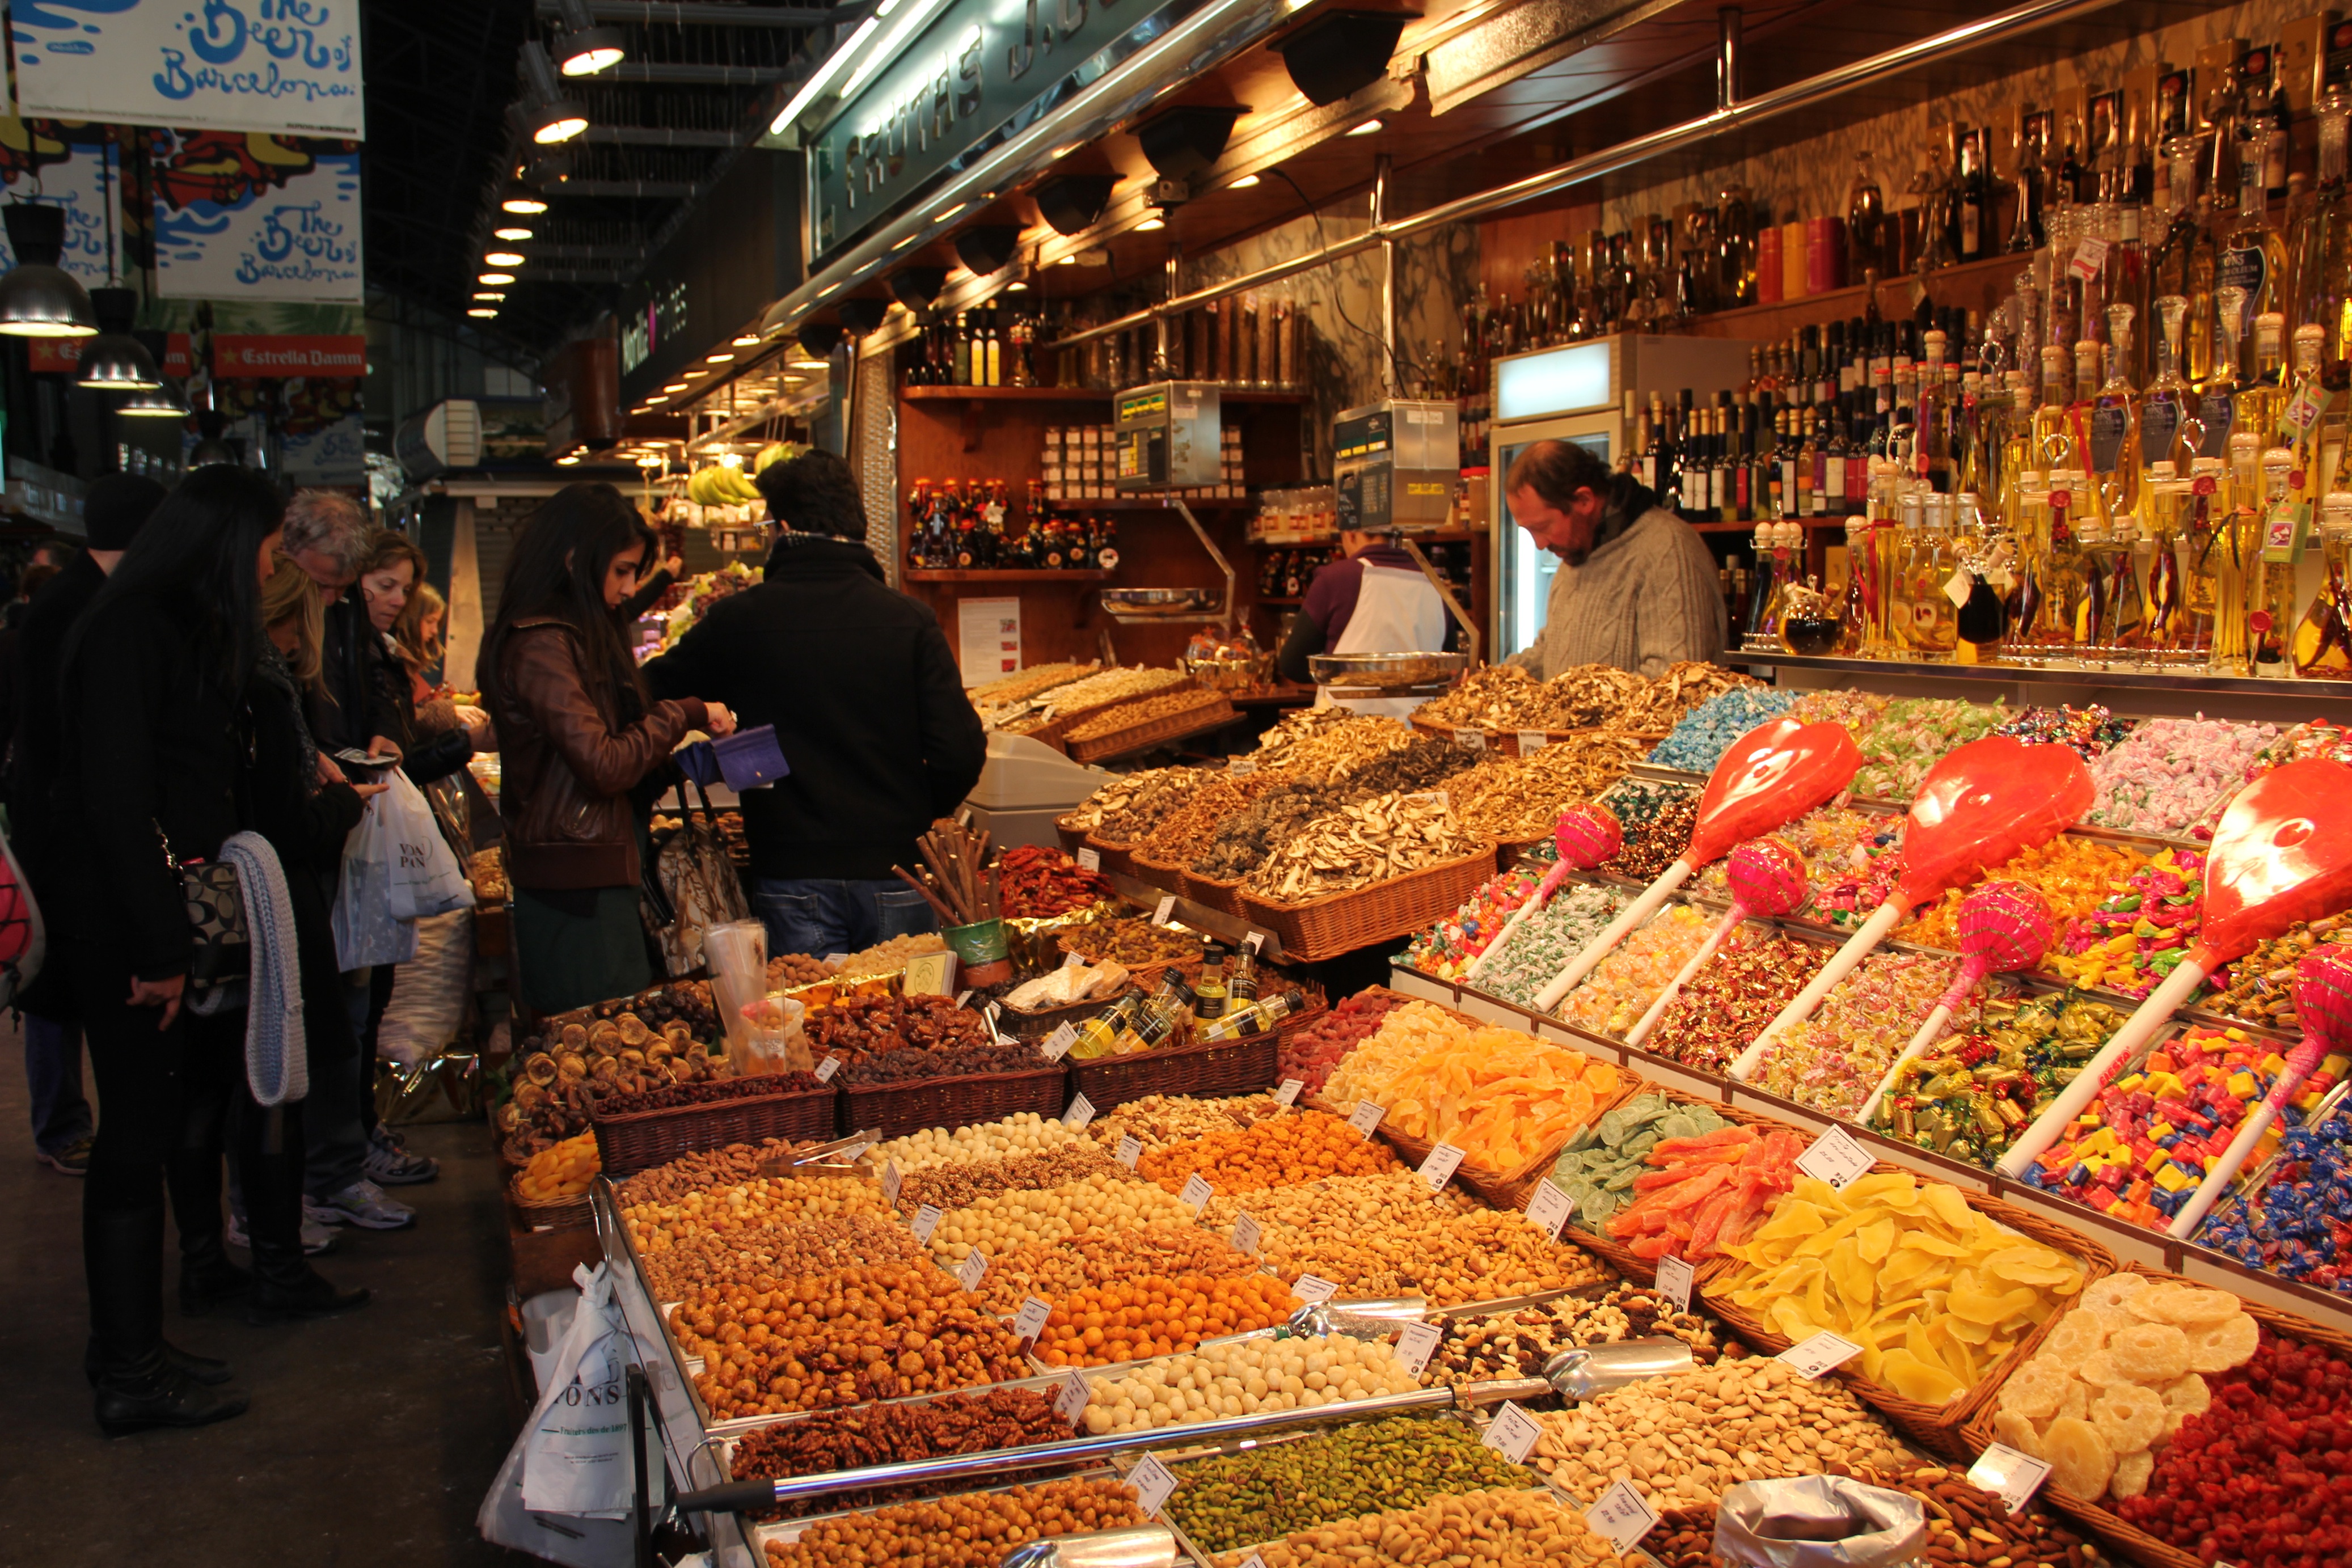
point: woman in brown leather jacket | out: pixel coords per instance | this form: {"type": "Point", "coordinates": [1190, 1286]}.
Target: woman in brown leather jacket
{"type": "Point", "coordinates": [576, 734]}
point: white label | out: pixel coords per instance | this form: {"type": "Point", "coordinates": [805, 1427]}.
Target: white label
{"type": "Point", "coordinates": [1245, 1233]}
{"type": "Point", "coordinates": [836, 959]}
{"type": "Point", "coordinates": [929, 975]}
{"type": "Point", "coordinates": [1959, 586]}
{"type": "Point", "coordinates": [1367, 1116]}
{"type": "Point", "coordinates": [1241, 767]}
{"type": "Point", "coordinates": [1475, 739]}
{"type": "Point", "coordinates": [1415, 1344]}
{"type": "Point", "coordinates": [1818, 1354]}
{"type": "Point", "coordinates": [1090, 860]}
{"type": "Point", "coordinates": [1254, 1560]}
{"type": "Point", "coordinates": [1196, 1195]}
{"type": "Point", "coordinates": [1834, 1158]}
{"type": "Point", "coordinates": [1071, 1402]}
{"type": "Point", "coordinates": [926, 1219]}
{"type": "Point", "coordinates": [1438, 1168]}
{"type": "Point", "coordinates": [1081, 1112]}
{"type": "Point", "coordinates": [1288, 1094]}
{"type": "Point", "coordinates": [1130, 1149]}
{"type": "Point", "coordinates": [1314, 1288]}
{"type": "Point", "coordinates": [2090, 256]}
{"type": "Point", "coordinates": [1549, 1207]}
{"type": "Point", "coordinates": [891, 1183]}
{"type": "Point", "coordinates": [1512, 1434]}
{"type": "Point", "coordinates": [963, 997]}
{"type": "Point", "coordinates": [2015, 1477]}
{"type": "Point", "coordinates": [990, 1012]}
{"type": "Point", "coordinates": [1030, 1322]}
{"type": "Point", "coordinates": [1058, 1044]}
{"type": "Point", "coordinates": [1152, 1482]}
{"type": "Point", "coordinates": [1254, 940]}
{"type": "Point", "coordinates": [1166, 910]}
{"type": "Point", "coordinates": [968, 1271]}
{"type": "Point", "coordinates": [1532, 741]}
{"type": "Point", "coordinates": [1674, 1276]}
{"type": "Point", "coordinates": [1073, 961]}
{"type": "Point", "coordinates": [827, 1068]}
{"type": "Point", "coordinates": [1622, 1516]}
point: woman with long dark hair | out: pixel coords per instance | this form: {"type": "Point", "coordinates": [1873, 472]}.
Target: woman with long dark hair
{"type": "Point", "coordinates": [577, 734]}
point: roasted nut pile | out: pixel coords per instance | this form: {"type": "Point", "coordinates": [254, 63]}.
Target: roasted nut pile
{"type": "Point", "coordinates": [1483, 1256]}
{"type": "Point", "coordinates": [886, 1022]}
{"type": "Point", "coordinates": [1132, 941]}
{"type": "Point", "coordinates": [1125, 809]}
{"type": "Point", "coordinates": [796, 970]}
{"type": "Point", "coordinates": [971, 1530]}
{"type": "Point", "coordinates": [1280, 1153]}
{"type": "Point", "coordinates": [1358, 845]}
{"type": "Point", "coordinates": [698, 1171]}
{"type": "Point", "coordinates": [1157, 1120]}
{"type": "Point", "coordinates": [1516, 1344]}
{"type": "Point", "coordinates": [959, 1186]}
{"type": "Point", "coordinates": [1004, 1220]}
{"type": "Point", "coordinates": [1243, 1377]}
{"type": "Point", "coordinates": [786, 1249]}
{"type": "Point", "coordinates": [1499, 1529]}
{"type": "Point", "coordinates": [775, 1343]}
{"type": "Point", "coordinates": [1681, 1441]}
{"type": "Point", "coordinates": [1051, 1271]}
{"type": "Point", "coordinates": [1025, 1134]}
{"type": "Point", "coordinates": [1111, 685]}
{"type": "Point", "coordinates": [1966, 1524]}
{"type": "Point", "coordinates": [890, 958]}
{"type": "Point", "coordinates": [1145, 710]}
{"type": "Point", "coordinates": [833, 1440]}
{"type": "Point", "coordinates": [1028, 684]}
{"type": "Point", "coordinates": [1241, 1499]}
{"type": "Point", "coordinates": [1135, 1319]}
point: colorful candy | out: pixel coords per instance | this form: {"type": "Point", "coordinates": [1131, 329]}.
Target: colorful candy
{"type": "Point", "coordinates": [1971, 1094]}
{"type": "Point", "coordinates": [1548, 939]}
{"type": "Point", "coordinates": [1707, 732]}
{"type": "Point", "coordinates": [1620, 988]}
{"type": "Point", "coordinates": [1728, 1003]}
{"type": "Point", "coordinates": [2259, 988]}
{"type": "Point", "coordinates": [1853, 861]}
{"type": "Point", "coordinates": [2075, 876]}
{"type": "Point", "coordinates": [2133, 939]}
{"type": "Point", "coordinates": [2298, 1223]}
{"type": "Point", "coordinates": [1858, 711]}
{"type": "Point", "coordinates": [2168, 772]}
{"type": "Point", "coordinates": [1657, 821]}
{"type": "Point", "coordinates": [2089, 730]}
{"type": "Point", "coordinates": [1446, 948]}
{"type": "Point", "coordinates": [1911, 737]}
{"type": "Point", "coordinates": [1835, 1059]}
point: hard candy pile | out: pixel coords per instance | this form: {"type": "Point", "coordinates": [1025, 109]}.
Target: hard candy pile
{"type": "Point", "coordinates": [1707, 732]}
{"type": "Point", "coordinates": [1911, 737]}
{"type": "Point", "coordinates": [1834, 1059]}
{"type": "Point", "coordinates": [1549, 939]}
{"type": "Point", "coordinates": [2167, 774]}
{"type": "Point", "coordinates": [2132, 940]}
{"type": "Point", "coordinates": [1446, 948]}
{"type": "Point", "coordinates": [1969, 1095]}
{"type": "Point", "coordinates": [1852, 860]}
{"type": "Point", "coordinates": [1613, 998]}
{"type": "Point", "coordinates": [1734, 994]}
{"type": "Point", "coordinates": [2299, 1225]}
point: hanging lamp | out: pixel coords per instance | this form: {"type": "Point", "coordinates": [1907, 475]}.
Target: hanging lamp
{"type": "Point", "coordinates": [38, 298]}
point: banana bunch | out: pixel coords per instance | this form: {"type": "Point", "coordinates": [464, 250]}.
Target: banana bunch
{"type": "Point", "coordinates": [721, 485]}
{"type": "Point", "coordinates": [774, 452]}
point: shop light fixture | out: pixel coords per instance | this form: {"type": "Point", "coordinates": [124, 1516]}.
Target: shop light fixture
{"type": "Point", "coordinates": [815, 87]}
{"type": "Point", "coordinates": [161, 402]}
{"type": "Point", "coordinates": [747, 340]}
{"type": "Point", "coordinates": [806, 364]}
{"type": "Point", "coordinates": [674, 387]}
{"type": "Point", "coordinates": [510, 233]}
{"type": "Point", "coordinates": [490, 294]}
{"type": "Point", "coordinates": [1016, 287]}
{"type": "Point", "coordinates": [567, 460]}
{"type": "Point", "coordinates": [482, 311]}
{"type": "Point", "coordinates": [651, 400]}
{"type": "Point", "coordinates": [1070, 260]}
{"type": "Point", "coordinates": [586, 48]}
{"type": "Point", "coordinates": [917, 12]}
{"type": "Point", "coordinates": [38, 298]}
{"type": "Point", "coordinates": [494, 279]}
{"type": "Point", "coordinates": [942, 217]}
{"type": "Point", "coordinates": [503, 258]}
{"type": "Point", "coordinates": [1150, 224]}
{"type": "Point", "coordinates": [521, 201]}
{"type": "Point", "coordinates": [1366, 128]}
{"type": "Point", "coordinates": [718, 359]}
{"type": "Point", "coordinates": [908, 240]}
{"type": "Point", "coordinates": [551, 117]}
{"type": "Point", "coordinates": [1245, 183]}
{"type": "Point", "coordinates": [828, 291]}
{"type": "Point", "coordinates": [114, 360]}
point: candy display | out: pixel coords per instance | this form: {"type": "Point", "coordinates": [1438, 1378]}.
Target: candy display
{"type": "Point", "coordinates": [1600, 1163]}
{"type": "Point", "coordinates": [1513, 1529]}
{"type": "Point", "coordinates": [1657, 819]}
{"type": "Point", "coordinates": [1968, 1095]}
{"type": "Point", "coordinates": [1935, 1293]}
{"type": "Point", "coordinates": [1446, 948]}
{"type": "Point", "coordinates": [1765, 876]}
{"type": "Point", "coordinates": [1038, 882]}
{"type": "Point", "coordinates": [971, 1530]}
{"type": "Point", "coordinates": [1620, 988]}
{"type": "Point", "coordinates": [2117, 1378]}
{"type": "Point", "coordinates": [2074, 876]}
{"type": "Point", "coordinates": [1696, 743]}
{"type": "Point", "coordinates": [1857, 710]}
{"type": "Point", "coordinates": [1852, 859]}
{"type": "Point", "coordinates": [1311, 1054]}
{"type": "Point", "coordinates": [1243, 1377]}
{"type": "Point", "coordinates": [1734, 994]}
{"type": "Point", "coordinates": [2091, 731]}
{"type": "Point", "coordinates": [1835, 1059]}
{"type": "Point", "coordinates": [2260, 987]}
{"type": "Point", "coordinates": [830, 1440]}
{"type": "Point", "coordinates": [2166, 774]}
{"type": "Point", "coordinates": [1518, 1343]}
{"type": "Point", "coordinates": [1281, 1151]}
{"type": "Point", "coordinates": [2132, 939]}
{"type": "Point", "coordinates": [1384, 837]}
{"type": "Point", "coordinates": [1707, 1191]}
{"type": "Point", "coordinates": [1548, 939]}
{"type": "Point", "coordinates": [1100, 1325]}
{"type": "Point", "coordinates": [1911, 737]}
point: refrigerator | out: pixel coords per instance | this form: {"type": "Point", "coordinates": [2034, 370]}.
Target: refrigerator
{"type": "Point", "coordinates": [1586, 393]}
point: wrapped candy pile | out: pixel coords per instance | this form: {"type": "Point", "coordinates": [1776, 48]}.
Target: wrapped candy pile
{"type": "Point", "coordinates": [2091, 731]}
{"type": "Point", "coordinates": [2075, 876]}
{"type": "Point", "coordinates": [1548, 939]}
{"type": "Point", "coordinates": [2168, 772]}
{"type": "Point", "coordinates": [1446, 948]}
{"type": "Point", "coordinates": [2133, 939]}
{"type": "Point", "coordinates": [2299, 1224]}
{"type": "Point", "coordinates": [2139, 1150]}
{"type": "Point", "coordinates": [1612, 999]}
{"type": "Point", "coordinates": [1911, 737]}
{"type": "Point", "coordinates": [1853, 861]}
{"type": "Point", "coordinates": [1968, 1095]}
{"type": "Point", "coordinates": [2260, 987]}
{"type": "Point", "coordinates": [1707, 730]}
{"type": "Point", "coordinates": [1855, 710]}
{"type": "Point", "coordinates": [1734, 994]}
{"type": "Point", "coordinates": [1834, 1058]}
{"type": "Point", "coordinates": [1657, 819]}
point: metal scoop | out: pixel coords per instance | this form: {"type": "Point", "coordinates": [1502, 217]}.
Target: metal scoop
{"type": "Point", "coordinates": [1359, 1320]}
{"type": "Point", "coordinates": [1586, 1370]}
{"type": "Point", "coordinates": [835, 1155]}
{"type": "Point", "coordinates": [1139, 1546]}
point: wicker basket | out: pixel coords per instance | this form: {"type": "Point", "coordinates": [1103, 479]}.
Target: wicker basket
{"type": "Point", "coordinates": [1117, 860]}
{"type": "Point", "coordinates": [1215, 1070]}
{"type": "Point", "coordinates": [1212, 715]}
{"type": "Point", "coordinates": [2133, 1543]}
{"type": "Point", "coordinates": [639, 1140]}
{"type": "Point", "coordinates": [1072, 837]}
{"type": "Point", "coordinates": [1039, 1024]}
{"type": "Point", "coordinates": [1346, 922]}
{"type": "Point", "coordinates": [1937, 1428]}
{"type": "Point", "coordinates": [1505, 742]}
{"type": "Point", "coordinates": [558, 1214]}
{"type": "Point", "coordinates": [1496, 1188]}
{"type": "Point", "coordinates": [966, 1100]}
{"type": "Point", "coordinates": [1225, 897]}
{"type": "Point", "coordinates": [1165, 876]}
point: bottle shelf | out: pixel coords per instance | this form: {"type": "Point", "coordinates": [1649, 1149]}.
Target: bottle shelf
{"type": "Point", "coordinates": [1003, 574]}
{"type": "Point", "coordinates": [2057, 673]}
{"type": "Point", "coordinates": [1719, 528]}
{"type": "Point", "coordinates": [1077, 394]}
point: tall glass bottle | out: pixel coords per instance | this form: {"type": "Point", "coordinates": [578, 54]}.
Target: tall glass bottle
{"type": "Point", "coordinates": [2270, 588]}
{"type": "Point", "coordinates": [2253, 254]}
{"type": "Point", "coordinates": [2234, 558]}
{"type": "Point", "coordinates": [2159, 555]}
{"type": "Point", "coordinates": [2114, 420]}
{"type": "Point", "coordinates": [2065, 581]}
{"type": "Point", "coordinates": [1930, 567]}
{"type": "Point", "coordinates": [2123, 623]}
{"type": "Point", "coordinates": [2264, 393]}
{"type": "Point", "coordinates": [2200, 539]}
{"type": "Point", "coordinates": [2322, 641]}
{"type": "Point", "coordinates": [2169, 402]}
{"type": "Point", "coordinates": [2217, 394]}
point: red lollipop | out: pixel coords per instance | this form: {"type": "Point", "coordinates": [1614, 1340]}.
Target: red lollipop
{"type": "Point", "coordinates": [1587, 834]}
{"type": "Point", "coordinates": [1768, 877]}
{"type": "Point", "coordinates": [2004, 926]}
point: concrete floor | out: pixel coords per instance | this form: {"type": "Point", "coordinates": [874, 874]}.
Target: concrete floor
{"type": "Point", "coordinates": [372, 1439]}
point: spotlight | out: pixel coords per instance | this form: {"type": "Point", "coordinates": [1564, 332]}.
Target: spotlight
{"type": "Point", "coordinates": [1186, 142]}
{"type": "Point", "coordinates": [550, 117]}
{"type": "Point", "coordinates": [494, 279]}
{"type": "Point", "coordinates": [1148, 225]}
{"type": "Point", "coordinates": [1340, 53]}
{"type": "Point", "coordinates": [519, 200]}
{"type": "Point", "coordinates": [586, 48]}
{"type": "Point", "coordinates": [482, 311]}
{"type": "Point", "coordinates": [1016, 287]}
{"type": "Point", "coordinates": [674, 387]}
{"type": "Point", "coordinates": [503, 258]}
{"type": "Point", "coordinates": [986, 248]}
{"type": "Point", "coordinates": [1366, 128]}
{"type": "Point", "coordinates": [916, 286]}
{"type": "Point", "coordinates": [38, 298]}
{"type": "Point", "coordinates": [488, 294]}
{"type": "Point", "coordinates": [860, 317]}
{"type": "Point", "coordinates": [1245, 183]}
{"type": "Point", "coordinates": [512, 235]}
{"type": "Point", "coordinates": [161, 402]}
{"type": "Point", "coordinates": [1073, 203]}
{"type": "Point", "coordinates": [749, 339]}
{"type": "Point", "coordinates": [718, 359]}
{"type": "Point", "coordinates": [651, 400]}
{"type": "Point", "coordinates": [114, 360]}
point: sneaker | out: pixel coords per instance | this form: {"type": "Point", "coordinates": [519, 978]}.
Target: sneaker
{"type": "Point", "coordinates": [389, 1163]}
{"type": "Point", "coordinates": [362, 1204]}
{"type": "Point", "coordinates": [72, 1160]}
{"type": "Point", "coordinates": [316, 1238]}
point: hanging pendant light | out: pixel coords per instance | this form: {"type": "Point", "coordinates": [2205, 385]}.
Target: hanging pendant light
{"type": "Point", "coordinates": [158, 402]}
{"type": "Point", "coordinates": [113, 360]}
{"type": "Point", "coordinates": [38, 298]}
{"type": "Point", "coordinates": [548, 116]}
{"type": "Point", "coordinates": [584, 48]}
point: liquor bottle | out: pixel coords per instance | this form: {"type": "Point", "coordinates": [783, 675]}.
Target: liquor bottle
{"type": "Point", "coordinates": [2200, 261]}
{"type": "Point", "coordinates": [919, 507]}
{"type": "Point", "coordinates": [1099, 1035]}
{"type": "Point", "coordinates": [2029, 530]}
{"type": "Point", "coordinates": [1241, 977]}
{"type": "Point", "coordinates": [2160, 552]}
{"type": "Point", "coordinates": [1865, 219]}
{"type": "Point", "coordinates": [2323, 641]}
{"type": "Point", "coordinates": [2217, 395]}
{"type": "Point", "coordinates": [1256, 1018]}
{"type": "Point", "coordinates": [2270, 585]}
{"type": "Point", "coordinates": [2235, 554]}
{"type": "Point", "coordinates": [2324, 272]}
{"type": "Point", "coordinates": [2030, 137]}
{"type": "Point", "coordinates": [2065, 583]}
{"type": "Point", "coordinates": [1974, 205]}
{"type": "Point", "coordinates": [2122, 630]}
{"type": "Point", "coordinates": [2053, 431]}
{"type": "Point", "coordinates": [1856, 604]}
{"type": "Point", "coordinates": [2113, 423]}
{"type": "Point", "coordinates": [1933, 627]}
{"type": "Point", "coordinates": [2252, 255]}
{"type": "Point", "coordinates": [1763, 583]}
{"type": "Point", "coordinates": [1158, 1020]}
{"type": "Point", "coordinates": [1209, 992]}
{"type": "Point", "coordinates": [2169, 403]}
{"type": "Point", "coordinates": [962, 364]}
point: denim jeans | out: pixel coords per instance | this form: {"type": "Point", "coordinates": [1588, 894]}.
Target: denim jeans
{"type": "Point", "coordinates": [53, 1073]}
{"type": "Point", "coordinates": [813, 915]}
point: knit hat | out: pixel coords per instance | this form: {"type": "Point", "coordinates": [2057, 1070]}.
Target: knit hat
{"type": "Point", "coordinates": [116, 507]}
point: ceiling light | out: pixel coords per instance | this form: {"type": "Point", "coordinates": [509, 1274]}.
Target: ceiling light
{"type": "Point", "coordinates": [488, 294]}
{"type": "Point", "coordinates": [567, 460]}
{"type": "Point", "coordinates": [1016, 287]}
{"type": "Point", "coordinates": [915, 15]}
{"type": "Point", "coordinates": [747, 340]}
{"type": "Point", "coordinates": [550, 117]}
{"type": "Point", "coordinates": [1366, 128]}
{"type": "Point", "coordinates": [815, 84]}
{"type": "Point", "coordinates": [1147, 225]}
{"type": "Point", "coordinates": [586, 48]}
{"type": "Point", "coordinates": [1244, 183]}
{"type": "Point", "coordinates": [510, 233]}
{"type": "Point", "coordinates": [718, 359]}
{"type": "Point", "coordinates": [161, 403]}
{"type": "Point", "coordinates": [38, 298]}
{"type": "Point", "coordinates": [518, 200]}
{"type": "Point", "coordinates": [494, 279]}
{"type": "Point", "coordinates": [651, 400]}
{"type": "Point", "coordinates": [1070, 260]}
{"type": "Point", "coordinates": [942, 217]}
{"type": "Point", "coordinates": [482, 311]}
{"type": "Point", "coordinates": [675, 386]}
{"type": "Point", "coordinates": [114, 360]}
{"type": "Point", "coordinates": [1065, 151]}
{"type": "Point", "coordinates": [812, 364]}
{"type": "Point", "coordinates": [828, 290]}
{"type": "Point", "coordinates": [503, 258]}
{"type": "Point", "coordinates": [553, 122]}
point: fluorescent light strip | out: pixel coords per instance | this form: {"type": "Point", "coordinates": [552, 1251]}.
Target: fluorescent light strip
{"type": "Point", "coordinates": [888, 47]}
{"type": "Point", "coordinates": [825, 74]}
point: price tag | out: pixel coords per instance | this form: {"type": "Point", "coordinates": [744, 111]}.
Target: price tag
{"type": "Point", "coordinates": [1959, 586]}
{"type": "Point", "coordinates": [1090, 860]}
{"type": "Point", "coordinates": [963, 997]}
{"type": "Point", "coordinates": [827, 1068]}
{"type": "Point", "coordinates": [835, 960]}
{"type": "Point", "coordinates": [1030, 1322]}
{"type": "Point", "coordinates": [1818, 1354]}
{"type": "Point", "coordinates": [1288, 1094]}
{"type": "Point", "coordinates": [1081, 1112]}
{"type": "Point", "coordinates": [1513, 1433]}
{"type": "Point", "coordinates": [1254, 1559]}
{"type": "Point", "coordinates": [1241, 766]}
{"type": "Point", "coordinates": [930, 975]}
{"type": "Point", "coordinates": [1834, 1158]}
{"type": "Point", "coordinates": [1438, 1168]}
{"type": "Point", "coordinates": [1475, 739]}
{"type": "Point", "coordinates": [1416, 1345]}
{"type": "Point", "coordinates": [968, 1271]}
{"type": "Point", "coordinates": [1152, 1482]}
{"type": "Point", "coordinates": [1674, 1276]}
{"type": "Point", "coordinates": [1130, 1149]}
{"type": "Point", "coordinates": [1245, 1233]}
{"type": "Point", "coordinates": [1073, 961]}
{"type": "Point", "coordinates": [1196, 1195]}
{"type": "Point", "coordinates": [892, 1182]}
{"type": "Point", "coordinates": [2304, 409]}
{"type": "Point", "coordinates": [1254, 940]}
{"type": "Point", "coordinates": [2090, 256]}
{"type": "Point", "coordinates": [1314, 1288]}
{"type": "Point", "coordinates": [1549, 1209]}
{"type": "Point", "coordinates": [1166, 911]}
{"type": "Point", "coordinates": [1532, 741]}
{"type": "Point", "coordinates": [926, 1220]}
{"type": "Point", "coordinates": [1071, 1402]}
{"type": "Point", "coordinates": [1622, 1516]}
{"type": "Point", "coordinates": [1058, 1044]}
{"type": "Point", "coordinates": [2015, 1477]}
{"type": "Point", "coordinates": [1366, 1116]}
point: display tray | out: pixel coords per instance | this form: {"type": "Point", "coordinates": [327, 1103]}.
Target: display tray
{"type": "Point", "coordinates": [557, 1214]}
{"type": "Point", "coordinates": [1213, 715]}
{"type": "Point", "coordinates": [1214, 1069]}
{"type": "Point", "coordinates": [894, 1110]}
{"type": "Point", "coordinates": [1366, 917]}
{"type": "Point", "coordinates": [2048, 673]}
{"type": "Point", "coordinates": [1505, 742]}
{"type": "Point", "coordinates": [639, 1140]}
{"type": "Point", "coordinates": [785, 1531]}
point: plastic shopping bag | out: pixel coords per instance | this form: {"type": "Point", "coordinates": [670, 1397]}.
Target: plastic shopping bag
{"type": "Point", "coordinates": [426, 877]}
{"type": "Point", "coordinates": [366, 930]}
{"type": "Point", "coordinates": [430, 995]}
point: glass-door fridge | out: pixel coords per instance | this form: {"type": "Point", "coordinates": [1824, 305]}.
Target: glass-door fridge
{"type": "Point", "coordinates": [1588, 393]}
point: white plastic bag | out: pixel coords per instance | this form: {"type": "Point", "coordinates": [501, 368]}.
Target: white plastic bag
{"type": "Point", "coordinates": [774, 1040]}
{"type": "Point", "coordinates": [426, 877]}
{"type": "Point", "coordinates": [366, 930]}
{"type": "Point", "coordinates": [737, 953]}
{"type": "Point", "coordinates": [429, 994]}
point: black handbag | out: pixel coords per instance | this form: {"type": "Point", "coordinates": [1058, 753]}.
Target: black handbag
{"type": "Point", "coordinates": [222, 953]}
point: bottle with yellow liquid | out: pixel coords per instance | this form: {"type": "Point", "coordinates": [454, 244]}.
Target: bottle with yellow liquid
{"type": "Point", "coordinates": [2269, 590]}
{"type": "Point", "coordinates": [1256, 1018]}
{"type": "Point", "coordinates": [1098, 1035]}
{"type": "Point", "coordinates": [2235, 558]}
{"type": "Point", "coordinates": [1241, 977]}
{"type": "Point", "coordinates": [2156, 556]}
{"type": "Point", "coordinates": [1929, 569]}
{"type": "Point", "coordinates": [1209, 994]}
{"type": "Point", "coordinates": [2323, 641]}
{"type": "Point", "coordinates": [2204, 521]}
{"type": "Point", "coordinates": [1157, 1021]}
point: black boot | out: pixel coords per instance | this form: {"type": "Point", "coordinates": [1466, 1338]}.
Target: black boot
{"type": "Point", "coordinates": [206, 1276]}
{"type": "Point", "coordinates": [290, 1290]}
{"type": "Point", "coordinates": [168, 1397]}
{"type": "Point", "coordinates": [137, 1385]}
{"type": "Point", "coordinates": [196, 1368]}
{"type": "Point", "coordinates": [285, 1286]}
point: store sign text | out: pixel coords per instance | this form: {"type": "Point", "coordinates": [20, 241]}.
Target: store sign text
{"type": "Point", "coordinates": [660, 319]}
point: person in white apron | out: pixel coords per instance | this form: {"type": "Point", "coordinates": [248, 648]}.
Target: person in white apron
{"type": "Point", "coordinates": [1396, 612]}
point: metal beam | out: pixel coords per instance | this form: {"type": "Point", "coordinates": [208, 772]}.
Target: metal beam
{"type": "Point", "coordinates": [700, 76]}
{"type": "Point", "coordinates": [571, 274]}
{"type": "Point", "coordinates": [660, 136]}
{"type": "Point", "coordinates": [645, 190]}
{"type": "Point", "coordinates": [619, 253]}
{"type": "Point", "coordinates": [679, 12]}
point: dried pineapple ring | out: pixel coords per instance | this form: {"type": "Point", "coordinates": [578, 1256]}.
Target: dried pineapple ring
{"type": "Point", "coordinates": [2129, 1418]}
{"type": "Point", "coordinates": [2034, 1390]}
{"type": "Point", "coordinates": [2154, 1305]}
{"type": "Point", "coordinates": [2131, 1471]}
{"type": "Point", "coordinates": [2223, 1345]}
{"type": "Point", "coordinates": [2190, 1396]}
{"type": "Point", "coordinates": [2153, 1353]}
{"type": "Point", "coordinates": [2196, 1308]}
{"type": "Point", "coordinates": [2076, 1334]}
{"type": "Point", "coordinates": [2112, 1291]}
{"type": "Point", "coordinates": [2018, 1432]}
{"type": "Point", "coordinates": [2075, 1402]}
{"type": "Point", "coordinates": [2110, 1317]}
{"type": "Point", "coordinates": [2098, 1369]}
{"type": "Point", "coordinates": [2080, 1460]}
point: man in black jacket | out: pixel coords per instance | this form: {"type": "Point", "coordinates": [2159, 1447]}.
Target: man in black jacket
{"type": "Point", "coordinates": [868, 707]}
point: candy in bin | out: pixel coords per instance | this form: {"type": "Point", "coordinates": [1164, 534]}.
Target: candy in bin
{"type": "Point", "coordinates": [1971, 1094]}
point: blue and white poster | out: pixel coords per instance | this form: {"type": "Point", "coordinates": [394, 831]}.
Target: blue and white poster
{"type": "Point", "coordinates": [218, 65]}
{"type": "Point", "coordinates": [335, 453]}
{"type": "Point", "coordinates": [255, 217]}
{"type": "Point", "coordinates": [84, 178]}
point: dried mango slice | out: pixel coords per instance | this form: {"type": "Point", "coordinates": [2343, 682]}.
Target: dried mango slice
{"type": "Point", "coordinates": [1916, 1380]}
{"type": "Point", "coordinates": [2080, 1460]}
{"type": "Point", "coordinates": [2131, 1471]}
{"type": "Point", "coordinates": [1876, 1241]}
{"type": "Point", "coordinates": [2129, 1417]}
{"type": "Point", "coordinates": [1983, 1307]}
{"type": "Point", "coordinates": [2152, 1353]}
{"type": "Point", "coordinates": [1794, 1220]}
{"type": "Point", "coordinates": [2223, 1345]}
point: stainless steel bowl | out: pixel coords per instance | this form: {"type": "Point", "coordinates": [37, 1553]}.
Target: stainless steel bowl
{"type": "Point", "coordinates": [1161, 598]}
{"type": "Point", "coordinates": [1385, 672]}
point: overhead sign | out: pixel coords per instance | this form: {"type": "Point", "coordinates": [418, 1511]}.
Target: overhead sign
{"type": "Point", "coordinates": [979, 73]}
{"type": "Point", "coordinates": [84, 178]}
{"type": "Point", "coordinates": [65, 354]}
{"type": "Point", "coordinates": [219, 65]}
{"type": "Point", "coordinates": [239, 355]}
{"type": "Point", "coordinates": [255, 217]}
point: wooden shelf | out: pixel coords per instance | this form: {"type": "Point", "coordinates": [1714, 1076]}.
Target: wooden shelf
{"type": "Point", "coordinates": [1150, 503]}
{"type": "Point", "coordinates": [1003, 574]}
{"type": "Point", "coordinates": [1078, 395]}
{"type": "Point", "coordinates": [1838, 523]}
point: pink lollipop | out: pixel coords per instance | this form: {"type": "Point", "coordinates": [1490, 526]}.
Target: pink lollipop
{"type": "Point", "coordinates": [1587, 833]}
{"type": "Point", "coordinates": [2322, 1003]}
{"type": "Point", "coordinates": [2004, 926]}
{"type": "Point", "coordinates": [1768, 877]}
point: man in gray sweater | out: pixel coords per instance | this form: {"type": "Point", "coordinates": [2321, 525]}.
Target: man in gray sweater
{"type": "Point", "coordinates": [1636, 587]}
